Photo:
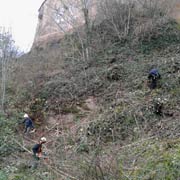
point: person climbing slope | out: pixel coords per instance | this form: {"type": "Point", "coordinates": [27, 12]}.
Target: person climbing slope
{"type": "Point", "coordinates": [153, 76]}
{"type": "Point", "coordinates": [37, 149]}
{"type": "Point", "coordinates": [28, 124]}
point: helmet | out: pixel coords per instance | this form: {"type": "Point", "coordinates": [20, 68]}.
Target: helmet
{"type": "Point", "coordinates": [43, 139]}
{"type": "Point", "coordinates": [26, 115]}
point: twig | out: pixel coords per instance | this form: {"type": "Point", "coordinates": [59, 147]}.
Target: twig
{"type": "Point", "coordinates": [23, 147]}
{"type": "Point", "coordinates": [59, 172]}
{"type": "Point", "coordinates": [138, 142]}
{"type": "Point", "coordinates": [49, 129]}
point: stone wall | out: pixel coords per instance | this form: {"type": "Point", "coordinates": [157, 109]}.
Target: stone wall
{"type": "Point", "coordinates": [57, 17]}
{"type": "Point", "coordinates": [176, 11]}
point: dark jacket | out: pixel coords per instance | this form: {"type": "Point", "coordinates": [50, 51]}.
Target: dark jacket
{"type": "Point", "coordinates": [28, 122]}
{"type": "Point", "coordinates": [154, 73]}
{"type": "Point", "coordinates": [37, 148]}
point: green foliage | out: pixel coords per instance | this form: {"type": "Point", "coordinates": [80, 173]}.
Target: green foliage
{"type": "Point", "coordinates": [115, 74]}
{"type": "Point", "coordinates": [161, 161]}
{"type": "Point", "coordinates": [7, 44]}
{"type": "Point", "coordinates": [112, 127]}
{"type": "Point", "coordinates": [167, 34]}
{"type": "Point", "coordinates": [83, 147]}
{"type": "Point", "coordinates": [3, 176]}
{"type": "Point", "coordinates": [175, 92]}
{"type": "Point", "coordinates": [7, 130]}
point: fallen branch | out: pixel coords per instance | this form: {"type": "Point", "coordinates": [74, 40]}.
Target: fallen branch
{"type": "Point", "coordinates": [59, 172]}
{"type": "Point", "coordinates": [22, 147]}
{"type": "Point", "coordinates": [49, 129]}
{"type": "Point", "coordinates": [137, 143]}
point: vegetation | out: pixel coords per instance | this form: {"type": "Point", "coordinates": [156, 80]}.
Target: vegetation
{"type": "Point", "coordinates": [98, 113]}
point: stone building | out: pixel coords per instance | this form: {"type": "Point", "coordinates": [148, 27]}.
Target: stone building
{"type": "Point", "coordinates": [57, 17]}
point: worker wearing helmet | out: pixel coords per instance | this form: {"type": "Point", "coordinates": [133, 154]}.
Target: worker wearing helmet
{"type": "Point", "coordinates": [28, 123]}
{"type": "Point", "coordinates": [37, 149]}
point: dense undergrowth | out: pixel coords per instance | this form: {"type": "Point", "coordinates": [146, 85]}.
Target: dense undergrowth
{"type": "Point", "coordinates": [124, 138]}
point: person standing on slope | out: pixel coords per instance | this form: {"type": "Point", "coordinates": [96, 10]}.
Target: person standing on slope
{"type": "Point", "coordinates": [37, 149]}
{"type": "Point", "coordinates": [153, 76]}
{"type": "Point", "coordinates": [28, 123]}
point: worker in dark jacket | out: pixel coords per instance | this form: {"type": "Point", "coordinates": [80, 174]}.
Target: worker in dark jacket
{"type": "Point", "coordinates": [28, 123]}
{"type": "Point", "coordinates": [153, 76]}
{"type": "Point", "coordinates": [37, 149]}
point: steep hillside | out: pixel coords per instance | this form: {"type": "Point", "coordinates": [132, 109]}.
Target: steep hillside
{"type": "Point", "coordinates": [98, 113]}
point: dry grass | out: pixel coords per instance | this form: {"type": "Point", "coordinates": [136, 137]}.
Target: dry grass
{"type": "Point", "coordinates": [122, 133]}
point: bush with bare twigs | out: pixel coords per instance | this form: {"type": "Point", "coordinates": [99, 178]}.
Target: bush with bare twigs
{"type": "Point", "coordinates": [123, 137]}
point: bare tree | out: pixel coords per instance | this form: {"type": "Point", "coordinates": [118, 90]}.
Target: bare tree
{"type": "Point", "coordinates": [7, 51]}
{"type": "Point", "coordinates": [75, 16]}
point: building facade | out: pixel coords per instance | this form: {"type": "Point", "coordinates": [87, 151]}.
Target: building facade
{"type": "Point", "coordinates": [57, 17]}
